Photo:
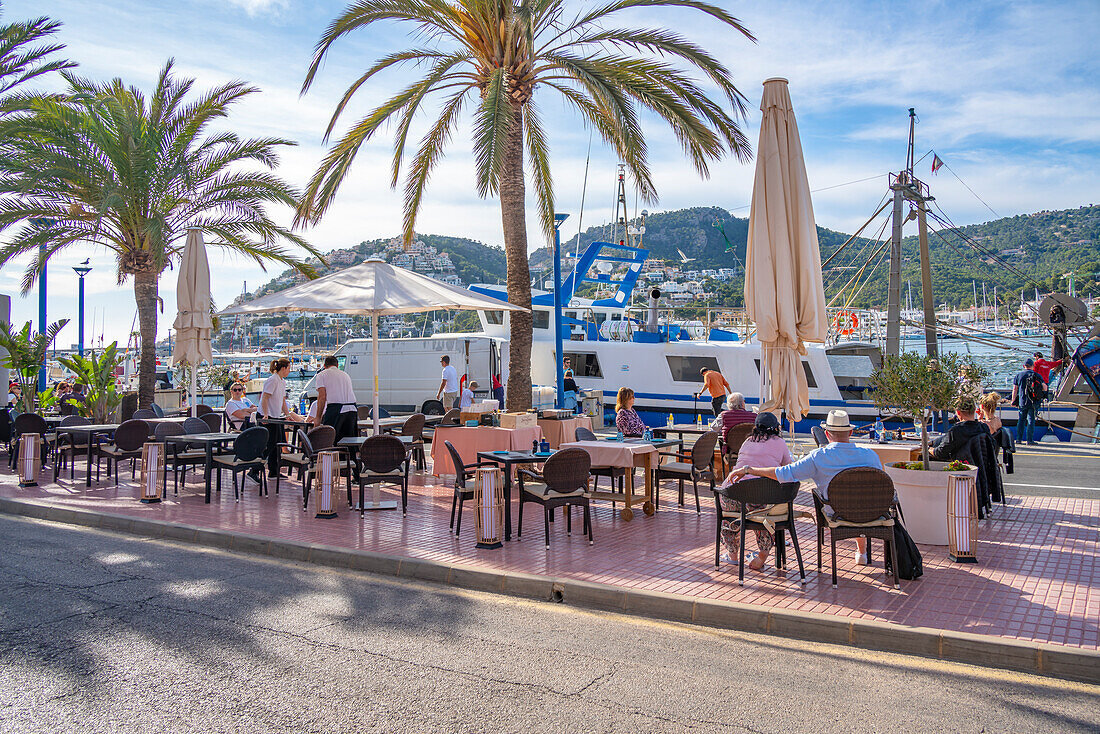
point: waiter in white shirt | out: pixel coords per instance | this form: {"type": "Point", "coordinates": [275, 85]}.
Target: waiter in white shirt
{"type": "Point", "coordinates": [336, 400]}
{"type": "Point", "coordinates": [448, 386]}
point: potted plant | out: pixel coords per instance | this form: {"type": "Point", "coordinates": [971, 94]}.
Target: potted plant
{"type": "Point", "coordinates": [26, 353]}
{"type": "Point", "coordinates": [97, 373]}
{"type": "Point", "coordinates": [913, 386]}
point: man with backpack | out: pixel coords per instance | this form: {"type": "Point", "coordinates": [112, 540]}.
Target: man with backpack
{"type": "Point", "coordinates": [1028, 391]}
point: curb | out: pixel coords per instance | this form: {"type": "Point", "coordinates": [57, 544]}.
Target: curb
{"type": "Point", "coordinates": [961, 647]}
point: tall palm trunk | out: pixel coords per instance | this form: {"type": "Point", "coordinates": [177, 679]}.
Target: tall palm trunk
{"type": "Point", "coordinates": [145, 293]}
{"type": "Point", "coordinates": [513, 216]}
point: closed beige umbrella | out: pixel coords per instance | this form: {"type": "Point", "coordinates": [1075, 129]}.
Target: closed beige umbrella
{"type": "Point", "coordinates": [783, 290]}
{"type": "Point", "coordinates": [193, 321]}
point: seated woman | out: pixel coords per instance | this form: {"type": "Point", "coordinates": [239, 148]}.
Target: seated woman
{"type": "Point", "coordinates": [988, 407]}
{"type": "Point", "coordinates": [734, 414]}
{"type": "Point", "coordinates": [239, 409]}
{"type": "Point", "coordinates": [627, 419]}
{"type": "Point", "coordinates": [765, 447]}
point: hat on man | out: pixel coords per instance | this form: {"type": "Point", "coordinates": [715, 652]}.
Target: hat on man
{"type": "Point", "coordinates": [1029, 362]}
{"type": "Point", "coordinates": [837, 422]}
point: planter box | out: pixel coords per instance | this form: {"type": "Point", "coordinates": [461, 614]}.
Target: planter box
{"type": "Point", "coordinates": [923, 497]}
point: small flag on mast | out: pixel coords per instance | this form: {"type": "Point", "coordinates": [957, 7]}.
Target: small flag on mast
{"type": "Point", "coordinates": [937, 163]}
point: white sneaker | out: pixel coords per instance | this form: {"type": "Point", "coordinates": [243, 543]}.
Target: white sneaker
{"type": "Point", "coordinates": [861, 559]}
{"type": "Point", "coordinates": [726, 557]}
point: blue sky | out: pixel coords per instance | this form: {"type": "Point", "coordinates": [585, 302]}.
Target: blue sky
{"type": "Point", "coordinates": [1006, 93]}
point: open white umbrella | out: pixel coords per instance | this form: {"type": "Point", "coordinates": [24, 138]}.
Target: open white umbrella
{"type": "Point", "coordinates": [783, 290]}
{"type": "Point", "coordinates": [193, 321]}
{"type": "Point", "coordinates": [372, 288]}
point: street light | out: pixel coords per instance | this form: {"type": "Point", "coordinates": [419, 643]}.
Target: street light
{"type": "Point", "coordinates": [560, 400]}
{"type": "Point", "coordinates": [42, 223]}
{"type": "Point", "coordinates": [82, 269]}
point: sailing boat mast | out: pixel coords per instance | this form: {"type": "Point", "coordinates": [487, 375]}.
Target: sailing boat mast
{"type": "Point", "coordinates": [906, 187]}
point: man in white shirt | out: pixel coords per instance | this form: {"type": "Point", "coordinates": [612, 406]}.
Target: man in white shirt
{"type": "Point", "coordinates": [336, 399]}
{"type": "Point", "coordinates": [448, 387]}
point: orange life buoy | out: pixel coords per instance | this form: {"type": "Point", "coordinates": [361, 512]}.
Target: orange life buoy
{"type": "Point", "coordinates": [845, 323]}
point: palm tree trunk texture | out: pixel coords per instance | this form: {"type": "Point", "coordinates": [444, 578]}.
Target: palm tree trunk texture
{"type": "Point", "coordinates": [513, 215]}
{"type": "Point", "coordinates": [145, 293]}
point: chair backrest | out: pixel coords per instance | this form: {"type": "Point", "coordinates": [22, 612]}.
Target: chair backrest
{"type": "Point", "coordinates": [160, 430]}
{"type": "Point", "coordinates": [202, 409]}
{"type": "Point", "coordinates": [456, 462]}
{"type": "Point", "coordinates": [433, 407]}
{"type": "Point", "coordinates": [75, 420]}
{"type": "Point", "coordinates": [736, 436]}
{"type": "Point", "coordinates": [66, 407]}
{"type": "Point", "coordinates": [382, 413]}
{"type": "Point", "coordinates": [212, 420]}
{"type": "Point", "coordinates": [567, 470]}
{"type": "Point", "coordinates": [760, 491]}
{"type": "Point", "coordinates": [195, 425]}
{"type": "Point", "coordinates": [30, 423]}
{"type": "Point", "coordinates": [584, 434]}
{"type": "Point", "coordinates": [414, 426]}
{"type": "Point", "coordinates": [861, 495]}
{"type": "Point", "coordinates": [250, 444]}
{"type": "Point", "coordinates": [451, 418]}
{"type": "Point", "coordinates": [5, 425]}
{"type": "Point", "coordinates": [363, 412]}
{"type": "Point", "coordinates": [321, 437]}
{"type": "Point", "coordinates": [382, 454]}
{"type": "Point", "coordinates": [819, 435]}
{"type": "Point", "coordinates": [702, 453]}
{"type": "Point", "coordinates": [142, 414]}
{"type": "Point", "coordinates": [157, 409]}
{"type": "Point", "coordinates": [132, 434]}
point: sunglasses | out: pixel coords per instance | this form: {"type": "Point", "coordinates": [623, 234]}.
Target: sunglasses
{"type": "Point", "coordinates": [237, 389]}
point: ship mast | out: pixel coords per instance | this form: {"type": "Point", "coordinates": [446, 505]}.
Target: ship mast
{"type": "Point", "coordinates": [906, 187]}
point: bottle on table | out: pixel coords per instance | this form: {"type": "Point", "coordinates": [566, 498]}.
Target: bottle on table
{"type": "Point", "coordinates": [669, 424]}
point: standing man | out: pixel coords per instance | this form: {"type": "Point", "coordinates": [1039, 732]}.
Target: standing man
{"type": "Point", "coordinates": [336, 400]}
{"type": "Point", "coordinates": [716, 386]}
{"type": "Point", "coordinates": [1028, 390]}
{"type": "Point", "coordinates": [448, 386]}
{"type": "Point", "coordinates": [1044, 367]}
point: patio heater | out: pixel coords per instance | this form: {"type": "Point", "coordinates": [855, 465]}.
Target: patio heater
{"type": "Point", "coordinates": [30, 459]}
{"type": "Point", "coordinates": [328, 471]}
{"type": "Point", "coordinates": [489, 490]}
{"type": "Point", "coordinates": [962, 518]}
{"type": "Point", "coordinates": [152, 468]}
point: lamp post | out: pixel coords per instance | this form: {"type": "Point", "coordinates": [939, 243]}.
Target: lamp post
{"type": "Point", "coordinates": [81, 270]}
{"type": "Point", "coordinates": [42, 223]}
{"type": "Point", "coordinates": [559, 402]}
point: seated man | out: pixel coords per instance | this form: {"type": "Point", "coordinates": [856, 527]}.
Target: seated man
{"type": "Point", "coordinates": [822, 464]}
{"type": "Point", "coordinates": [954, 444]}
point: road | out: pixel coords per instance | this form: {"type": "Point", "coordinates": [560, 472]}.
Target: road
{"type": "Point", "coordinates": [102, 632]}
{"type": "Point", "coordinates": [1056, 470]}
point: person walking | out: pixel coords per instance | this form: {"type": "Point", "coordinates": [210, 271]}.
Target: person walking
{"type": "Point", "coordinates": [448, 386]}
{"type": "Point", "coordinates": [336, 400]}
{"type": "Point", "coordinates": [1028, 390]}
{"type": "Point", "coordinates": [716, 386]}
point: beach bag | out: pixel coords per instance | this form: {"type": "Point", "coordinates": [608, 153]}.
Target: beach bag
{"type": "Point", "coordinates": [910, 562]}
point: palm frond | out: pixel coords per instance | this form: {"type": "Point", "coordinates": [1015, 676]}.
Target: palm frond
{"type": "Point", "coordinates": [492, 121]}
{"type": "Point", "coordinates": [431, 150]}
{"type": "Point", "coordinates": [538, 151]}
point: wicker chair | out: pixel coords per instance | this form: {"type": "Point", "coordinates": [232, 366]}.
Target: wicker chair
{"type": "Point", "coordinates": [414, 427]}
{"type": "Point", "coordinates": [452, 417]}
{"type": "Point", "coordinates": [127, 443]}
{"type": "Point", "coordinates": [212, 420]}
{"type": "Point", "coordinates": [384, 460]}
{"type": "Point", "coordinates": [611, 472]}
{"type": "Point", "coordinates": [157, 409]}
{"type": "Point", "coordinates": [248, 453]}
{"type": "Point", "coordinates": [696, 465]}
{"type": "Point", "coordinates": [179, 460]}
{"type": "Point", "coordinates": [29, 423]}
{"type": "Point", "coordinates": [203, 409]}
{"type": "Point", "coordinates": [861, 503]}
{"type": "Point", "coordinates": [563, 482]}
{"type": "Point", "coordinates": [66, 445]}
{"type": "Point", "coordinates": [363, 412]}
{"type": "Point", "coordinates": [302, 454]}
{"type": "Point", "coordinates": [195, 425]}
{"type": "Point", "coordinates": [735, 438]}
{"type": "Point", "coordinates": [759, 491]}
{"type": "Point", "coordinates": [462, 492]}
{"type": "Point", "coordinates": [143, 413]}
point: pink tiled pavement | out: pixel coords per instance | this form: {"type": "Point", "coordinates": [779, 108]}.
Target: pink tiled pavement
{"type": "Point", "coordinates": [1036, 577]}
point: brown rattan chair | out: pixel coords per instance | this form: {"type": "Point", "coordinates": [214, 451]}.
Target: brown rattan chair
{"type": "Point", "coordinates": [383, 459]}
{"type": "Point", "coordinates": [143, 413]}
{"type": "Point", "coordinates": [451, 418]}
{"type": "Point", "coordinates": [203, 409]}
{"type": "Point", "coordinates": [414, 427]}
{"type": "Point", "coordinates": [563, 482]}
{"type": "Point", "coordinates": [212, 419]}
{"type": "Point", "coordinates": [68, 445]}
{"type": "Point", "coordinates": [301, 454]}
{"type": "Point", "coordinates": [696, 465]}
{"type": "Point", "coordinates": [247, 454]}
{"type": "Point", "coordinates": [128, 440]}
{"type": "Point", "coordinates": [759, 491]}
{"type": "Point", "coordinates": [462, 492]}
{"type": "Point", "coordinates": [861, 503]}
{"type": "Point", "coordinates": [731, 444]}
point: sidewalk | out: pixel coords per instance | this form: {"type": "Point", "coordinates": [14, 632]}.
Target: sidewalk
{"type": "Point", "coordinates": [1034, 587]}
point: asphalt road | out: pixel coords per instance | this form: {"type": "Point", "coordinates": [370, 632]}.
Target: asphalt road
{"type": "Point", "coordinates": [102, 632]}
{"type": "Point", "coordinates": [1056, 470]}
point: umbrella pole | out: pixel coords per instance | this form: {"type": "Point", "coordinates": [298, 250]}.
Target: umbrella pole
{"type": "Point", "coordinates": [374, 364]}
{"type": "Point", "coordinates": [194, 390]}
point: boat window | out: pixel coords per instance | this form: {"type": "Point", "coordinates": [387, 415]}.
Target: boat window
{"type": "Point", "coordinates": [811, 381]}
{"type": "Point", "coordinates": [542, 319]}
{"type": "Point", "coordinates": [496, 318]}
{"type": "Point", "coordinates": [686, 369]}
{"type": "Point", "coordinates": [584, 364]}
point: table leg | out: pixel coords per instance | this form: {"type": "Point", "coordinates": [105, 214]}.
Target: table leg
{"type": "Point", "coordinates": [507, 502]}
{"type": "Point", "coordinates": [88, 479]}
{"type": "Point", "coordinates": [209, 467]}
{"type": "Point", "coordinates": [649, 506]}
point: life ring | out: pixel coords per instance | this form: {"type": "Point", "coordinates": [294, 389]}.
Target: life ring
{"type": "Point", "coordinates": [845, 323]}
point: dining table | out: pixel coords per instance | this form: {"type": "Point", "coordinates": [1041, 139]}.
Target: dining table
{"type": "Point", "coordinates": [560, 430]}
{"type": "Point", "coordinates": [394, 422]}
{"type": "Point", "coordinates": [470, 440]}
{"type": "Point", "coordinates": [208, 441]}
{"type": "Point", "coordinates": [628, 453]}
{"type": "Point", "coordinates": [508, 461]}
{"type": "Point", "coordinates": [89, 432]}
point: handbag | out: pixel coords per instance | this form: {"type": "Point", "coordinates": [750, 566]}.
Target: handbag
{"type": "Point", "coordinates": [910, 562]}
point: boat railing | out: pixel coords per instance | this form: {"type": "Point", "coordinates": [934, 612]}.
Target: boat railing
{"type": "Point", "coordinates": [854, 324]}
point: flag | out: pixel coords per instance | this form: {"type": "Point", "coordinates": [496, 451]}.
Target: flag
{"type": "Point", "coordinates": [937, 163]}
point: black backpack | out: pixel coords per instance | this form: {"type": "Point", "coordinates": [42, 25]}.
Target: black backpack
{"type": "Point", "coordinates": [1033, 388]}
{"type": "Point", "coordinates": [910, 562]}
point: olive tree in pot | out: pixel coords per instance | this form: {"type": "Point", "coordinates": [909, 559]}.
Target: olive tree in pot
{"type": "Point", "coordinates": [913, 386]}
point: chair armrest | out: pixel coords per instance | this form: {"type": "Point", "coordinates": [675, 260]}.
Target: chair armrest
{"type": "Point", "coordinates": [537, 476]}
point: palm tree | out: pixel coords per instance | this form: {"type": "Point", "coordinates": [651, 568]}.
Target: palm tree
{"type": "Point", "coordinates": [104, 165]}
{"type": "Point", "coordinates": [495, 55]}
{"type": "Point", "coordinates": [21, 60]}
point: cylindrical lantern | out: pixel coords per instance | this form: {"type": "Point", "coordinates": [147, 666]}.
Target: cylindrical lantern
{"type": "Point", "coordinates": [30, 459]}
{"type": "Point", "coordinates": [328, 475]}
{"type": "Point", "coordinates": [152, 469]}
{"type": "Point", "coordinates": [962, 518]}
{"type": "Point", "coordinates": [489, 491]}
